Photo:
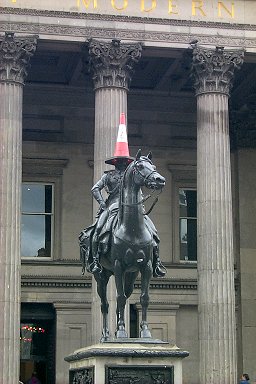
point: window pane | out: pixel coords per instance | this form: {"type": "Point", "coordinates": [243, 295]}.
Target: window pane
{"type": "Point", "coordinates": [36, 198]}
{"type": "Point", "coordinates": [187, 203]}
{"type": "Point", "coordinates": [36, 235]}
{"type": "Point", "coordinates": [188, 239]}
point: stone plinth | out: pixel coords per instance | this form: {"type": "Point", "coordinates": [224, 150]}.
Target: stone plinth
{"type": "Point", "coordinates": [128, 361]}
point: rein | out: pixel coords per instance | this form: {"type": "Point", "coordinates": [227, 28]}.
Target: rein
{"type": "Point", "coordinates": [144, 198]}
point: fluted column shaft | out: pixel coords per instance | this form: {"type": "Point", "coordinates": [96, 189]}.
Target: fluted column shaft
{"type": "Point", "coordinates": [213, 73]}
{"type": "Point", "coordinates": [112, 65]}
{"type": "Point", "coordinates": [14, 57]}
{"type": "Point", "coordinates": [109, 103]}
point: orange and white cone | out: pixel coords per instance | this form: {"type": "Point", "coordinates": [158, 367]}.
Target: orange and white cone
{"type": "Point", "coordinates": [121, 149]}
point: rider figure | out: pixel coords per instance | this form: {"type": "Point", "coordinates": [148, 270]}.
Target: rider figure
{"type": "Point", "coordinates": [111, 181]}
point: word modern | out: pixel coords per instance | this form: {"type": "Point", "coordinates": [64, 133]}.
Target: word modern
{"type": "Point", "coordinates": [153, 8]}
{"type": "Point", "coordinates": [172, 7]}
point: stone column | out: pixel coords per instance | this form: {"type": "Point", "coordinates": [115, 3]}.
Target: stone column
{"type": "Point", "coordinates": [15, 53]}
{"type": "Point", "coordinates": [112, 65]}
{"type": "Point", "coordinates": [213, 71]}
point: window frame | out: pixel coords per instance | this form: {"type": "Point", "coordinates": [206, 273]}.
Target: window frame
{"type": "Point", "coordinates": [183, 176]}
{"type": "Point", "coordinates": [55, 230]}
{"type": "Point", "coordinates": [47, 171]}
{"type": "Point", "coordinates": [52, 215]}
{"type": "Point", "coordinates": [190, 187]}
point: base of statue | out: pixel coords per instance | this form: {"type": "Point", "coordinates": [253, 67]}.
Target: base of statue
{"type": "Point", "coordinates": [127, 361]}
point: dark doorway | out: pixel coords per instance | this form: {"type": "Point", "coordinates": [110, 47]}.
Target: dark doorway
{"type": "Point", "coordinates": [37, 342]}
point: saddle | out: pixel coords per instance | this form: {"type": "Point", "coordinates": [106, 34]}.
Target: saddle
{"type": "Point", "coordinates": [86, 239]}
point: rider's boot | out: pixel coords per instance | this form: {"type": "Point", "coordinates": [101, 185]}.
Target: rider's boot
{"type": "Point", "coordinates": [95, 265]}
{"type": "Point", "coordinates": [158, 269]}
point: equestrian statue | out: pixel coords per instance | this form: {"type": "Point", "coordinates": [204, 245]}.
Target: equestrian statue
{"type": "Point", "coordinates": [123, 240]}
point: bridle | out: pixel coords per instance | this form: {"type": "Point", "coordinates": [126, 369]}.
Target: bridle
{"type": "Point", "coordinates": [144, 179]}
{"type": "Point", "coordinates": [138, 172]}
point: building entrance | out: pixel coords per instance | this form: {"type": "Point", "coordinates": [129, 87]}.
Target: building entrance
{"type": "Point", "coordinates": [37, 344]}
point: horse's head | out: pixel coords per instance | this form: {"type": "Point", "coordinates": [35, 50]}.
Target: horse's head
{"type": "Point", "coordinates": [145, 173]}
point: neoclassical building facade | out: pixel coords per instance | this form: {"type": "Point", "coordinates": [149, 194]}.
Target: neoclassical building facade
{"type": "Point", "coordinates": [184, 73]}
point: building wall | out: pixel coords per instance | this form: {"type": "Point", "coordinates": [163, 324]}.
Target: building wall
{"type": "Point", "coordinates": [247, 214]}
{"type": "Point", "coordinates": [59, 124]}
{"type": "Point", "coordinates": [174, 300]}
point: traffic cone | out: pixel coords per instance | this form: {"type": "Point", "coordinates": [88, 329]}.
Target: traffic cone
{"type": "Point", "coordinates": [121, 149]}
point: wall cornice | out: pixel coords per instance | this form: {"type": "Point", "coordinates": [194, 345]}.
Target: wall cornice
{"type": "Point", "coordinates": [139, 35]}
{"type": "Point", "coordinates": [32, 281]}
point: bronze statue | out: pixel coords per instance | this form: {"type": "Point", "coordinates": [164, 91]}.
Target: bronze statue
{"type": "Point", "coordinates": [111, 181]}
{"type": "Point", "coordinates": [123, 240]}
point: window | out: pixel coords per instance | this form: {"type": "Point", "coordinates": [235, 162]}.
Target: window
{"type": "Point", "coordinates": [187, 224]}
{"type": "Point", "coordinates": [37, 219]}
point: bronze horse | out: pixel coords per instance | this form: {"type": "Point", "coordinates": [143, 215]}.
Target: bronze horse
{"type": "Point", "coordinates": [131, 248]}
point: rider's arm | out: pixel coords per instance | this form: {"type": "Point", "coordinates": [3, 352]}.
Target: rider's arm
{"type": "Point", "coordinates": [96, 191]}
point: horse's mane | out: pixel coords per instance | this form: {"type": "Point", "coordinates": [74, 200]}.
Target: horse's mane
{"type": "Point", "coordinates": [122, 185]}
{"type": "Point", "coordinates": [127, 171]}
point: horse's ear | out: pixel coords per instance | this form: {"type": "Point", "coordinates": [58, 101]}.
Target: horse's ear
{"type": "Point", "coordinates": [149, 156]}
{"type": "Point", "coordinates": [138, 154]}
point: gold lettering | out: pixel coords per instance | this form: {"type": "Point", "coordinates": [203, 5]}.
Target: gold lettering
{"type": "Point", "coordinates": [87, 3]}
{"type": "Point", "coordinates": [230, 12]}
{"type": "Point", "coordinates": [197, 4]}
{"type": "Point", "coordinates": [125, 4]}
{"type": "Point", "coordinates": [153, 6]}
{"type": "Point", "coordinates": [172, 7]}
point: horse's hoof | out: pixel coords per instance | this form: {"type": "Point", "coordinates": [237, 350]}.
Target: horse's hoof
{"type": "Point", "coordinates": [121, 334]}
{"type": "Point", "coordinates": [104, 339]}
{"type": "Point", "coordinates": [145, 334]}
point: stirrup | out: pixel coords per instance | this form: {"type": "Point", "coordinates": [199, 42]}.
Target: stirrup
{"type": "Point", "coordinates": [159, 270]}
{"type": "Point", "coordinates": [95, 267]}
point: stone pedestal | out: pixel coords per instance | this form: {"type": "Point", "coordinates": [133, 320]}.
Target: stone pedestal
{"type": "Point", "coordinates": [129, 361]}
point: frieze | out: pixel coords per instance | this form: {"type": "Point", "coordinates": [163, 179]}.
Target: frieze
{"type": "Point", "coordinates": [15, 54]}
{"type": "Point", "coordinates": [213, 69]}
{"type": "Point", "coordinates": [82, 376]}
{"type": "Point", "coordinates": [128, 19]}
{"type": "Point", "coordinates": [140, 374]}
{"type": "Point", "coordinates": [55, 282]}
{"type": "Point", "coordinates": [122, 34]}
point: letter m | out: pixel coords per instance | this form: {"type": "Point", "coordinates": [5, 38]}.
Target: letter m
{"type": "Point", "coordinates": [87, 3]}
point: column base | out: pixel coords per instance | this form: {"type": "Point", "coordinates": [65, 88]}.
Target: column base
{"type": "Point", "coordinates": [127, 361]}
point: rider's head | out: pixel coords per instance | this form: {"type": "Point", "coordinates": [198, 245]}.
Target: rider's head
{"type": "Point", "coordinates": [120, 162]}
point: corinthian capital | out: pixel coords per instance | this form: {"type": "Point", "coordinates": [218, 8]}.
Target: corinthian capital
{"type": "Point", "coordinates": [112, 64]}
{"type": "Point", "coordinates": [15, 54]}
{"type": "Point", "coordinates": [213, 69]}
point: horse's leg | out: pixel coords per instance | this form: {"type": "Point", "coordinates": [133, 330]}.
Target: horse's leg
{"type": "Point", "coordinates": [129, 281]}
{"type": "Point", "coordinates": [102, 281]}
{"type": "Point", "coordinates": [146, 274]}
{"type": "Point", "coordinates": [121, 301]}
